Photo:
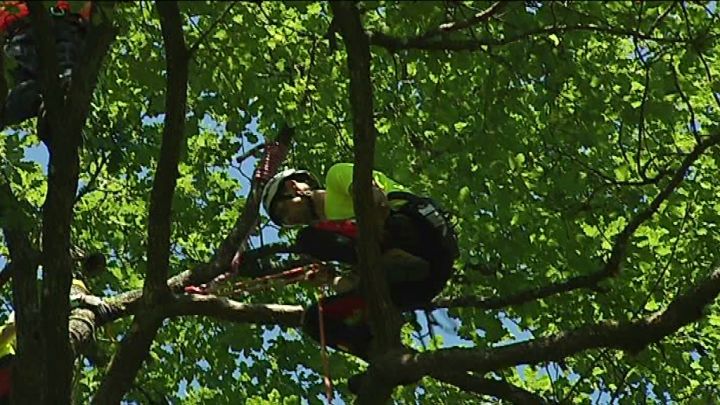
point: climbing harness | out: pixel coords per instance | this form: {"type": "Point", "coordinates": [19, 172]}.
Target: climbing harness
{"type": "Point", "coordinates": [347, 228]}
{"type": "Point", "coordinates": [428, 211]}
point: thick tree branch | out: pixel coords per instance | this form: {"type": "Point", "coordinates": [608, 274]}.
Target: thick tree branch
{"type": "Point", "coordinates": [6, 274]}
{"type": "Point", "coordinates": [394, 44]}
{"type": "Point", "coordinates": [3, 87]}
{"type": "Point", "coordinates": [65, 121]}
{"type": "Point", "coordinates": [85, 75]}
{"type": "Point", "coordinates": [30, 356]}
{"type": "Point", "coordinates": [486, 386]}
{"type": "Point", "coordinates": [23, 264]}
{"type": "Point", "coordinates": [249, 153]}
{"type": "Point", "coordinates": [630, 336]}
{"type": "Point", "coordinates": [384, 317]}
{"type": "Point", "coordinates": [361, 101]}
{"type": "Point", "coordinates": [194, 47]}
{"type": "Point", "coordinates": [132, 352]}
{"type": "Point", "coordinates": [135, 347]}
{"type": "Point", "coordinates": [233, 311]}
{"type": "Point", "coordinates": [62, 183]}
{"type": "Point", "coordinates": [84, 323]}
{"type": "Point", "coordinates": [612, 266]}
{"type": "Point", "coordinates": [48, 75]}
{"type": "Point", "coordinates": [14, 220]}
{"type": "Point", "coordinates": [173, 136]}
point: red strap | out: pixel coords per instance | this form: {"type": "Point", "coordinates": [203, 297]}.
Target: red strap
{"type": "Point", "coordinates": [193, 289]}
{"type": "Point", "coordinates": [11, 11]}
{"type": "Point", "coordinates": [5, 381]}
{"type": "Point", "coordinates": [323, 351]}
{"type": "Point", "coordinates": [341, 308]}
{"type": "Point", "coordinates": [63, 4]}
{"type": "Point", "coordinates": [344, 227]}
{"type": "Point", "coordinates": [86, 10]}
{"type": "Point", "coordinates": [274, 155]}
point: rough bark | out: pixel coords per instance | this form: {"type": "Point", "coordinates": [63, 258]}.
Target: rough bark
{"type": "Point", "coordinates": [136, 346]}
{"type": "Point", "coordinates": [384, 317]}
{"type": "Point", "coordinates": [63, 120]}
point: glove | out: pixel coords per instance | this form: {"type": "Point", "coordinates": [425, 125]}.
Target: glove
{"type": "Point", "coordinates": [193, 289]}
{"type": "Point", "coordinates": [211, 287]}
{"type": "Point", "coordinates": [236, 262]}
{"type": "Point", "coordinates": [96, 304]}
{"type": "Point", "coordinates": [343, 284]}
{"type": "Point", "coordinates": [324, 275]}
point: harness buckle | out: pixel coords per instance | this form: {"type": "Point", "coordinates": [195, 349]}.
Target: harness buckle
{"type": "Point", "coordinates": [56, 11]}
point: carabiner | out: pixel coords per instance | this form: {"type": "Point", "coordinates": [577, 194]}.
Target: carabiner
{"type": "Point", "coordinates": [56, 11]}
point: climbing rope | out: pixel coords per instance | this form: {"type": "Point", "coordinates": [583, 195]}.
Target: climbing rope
{"type": "Point", "coordinates": [286, 277]}
{"type": "Point", "coordinates": [323, 350]}
{"type": "Point", "coordinates": [274, 155]}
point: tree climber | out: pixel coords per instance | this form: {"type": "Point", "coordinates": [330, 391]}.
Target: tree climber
{"type": "Point", "coordinates": [70, 23]}
{"type": "Point", "coordinates": [418, 246]}
{"type": "Point", "coordinates": [80, 297]}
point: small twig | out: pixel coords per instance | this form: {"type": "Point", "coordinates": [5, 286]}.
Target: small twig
{"type": "Point", "coordinates": [575, 386]}
{"type": "Point", "coordinates": [486, 386]}
{"type": "Point", "coordinates": [394, 44]}
{"type": "Point", "coordinates": [686, 99]}
{"type": "Point", "coordinates": [90, 185]}
{"type": "Point", "coordinates": [670, 259]}
{"type": "Point", "coordinates": [609, 180]}
{"type": "Point", "coordinates": [203, 36]}
{"type": "Point", "coordinates": [552, 380]}
{"type": "Point", "coordinates": [709, 77]}
{"type": "Point", "coordinates": [687, 19]}
{"type": "Point", "coordinates": [623, 151]}
{"type": "Point", "coordinates": [252, 152]}
{"type": "Point", "coordinates": [6, 274]}
{"type": "Point", "coordinates": [661, 17]}
{"type": "Point", "coordinates": [458, 25]}
{"type": "Point", "coordinates": [306, 93]}
{"type": "Point", "coordinates": [641, 123]}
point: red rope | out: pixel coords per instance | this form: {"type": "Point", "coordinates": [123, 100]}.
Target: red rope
{"type": "Point", "coordinates": [323, 351]}
{"type": "Point", "coordinates": [288, 277]}
{"type": "Point", "coordinates": [274, 155]}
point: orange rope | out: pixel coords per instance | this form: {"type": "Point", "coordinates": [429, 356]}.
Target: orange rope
{"type": "Point", "coordinates": [323, 351]}
{"type": "Point", "coordinates": [286, 277]}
